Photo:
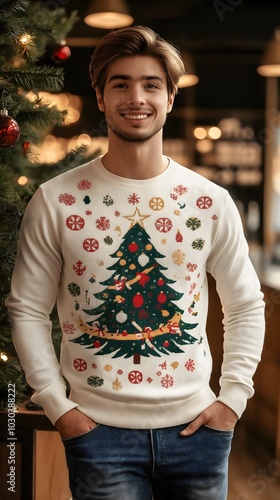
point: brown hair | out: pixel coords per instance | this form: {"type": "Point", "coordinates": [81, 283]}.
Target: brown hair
{"type": "Point", "coordinates": [135, 40]}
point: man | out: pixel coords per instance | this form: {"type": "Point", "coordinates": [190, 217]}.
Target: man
{"type": "Point", "coordinates": [123, 244]}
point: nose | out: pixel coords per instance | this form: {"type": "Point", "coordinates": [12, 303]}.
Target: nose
{"type": "Point", "coordinates": [136, 97]}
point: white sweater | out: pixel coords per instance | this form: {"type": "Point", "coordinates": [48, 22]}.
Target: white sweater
{"type": "Point", "coordinates": [126, 261]}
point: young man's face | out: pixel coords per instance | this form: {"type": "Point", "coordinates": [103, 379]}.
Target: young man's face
{"type": "Point", "coordinates": [135, 99]}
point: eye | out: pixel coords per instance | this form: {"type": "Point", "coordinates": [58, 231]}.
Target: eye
{"type": "Point", "coordinates": [151, 86]}
{"type": "Point", "coordinates": [120, 86]}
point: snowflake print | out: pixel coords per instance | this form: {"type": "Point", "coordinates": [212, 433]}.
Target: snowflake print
{"type": "Point", "coordinates": [68, 328]}
{"type": "Point", "coordinates": [103, 224]}
{"type": "Point", "coordinates": [67, 199]}
{"type": "Point", "coordinates": [84, 184]}
{"type": "Point", "coordinates": [108, 200]}
{"type": "Point", "coordinates": [117, 213]}
{"type": "Point", "coordinates": [178, 257]}
{"type": "Point", "coordinates": [74, 289]}
{"type": "Point", "coordinates": [190, 365]}
{"type": "Point", "coordinates": [193, 223]}
{"type": "Point", "coordinates": [198, 244]}
{"type": "Point", "coordinates": [167, 381]}
{"type": "Point", "coordinates": [180, 190]}
{"type": "Point", "coordinates": [173, 196]}
{"type": "Point", "coordinates": [191, 267]}
{"type": "Point", "coordinates": [133, 199]}
{"type": "Point", "coordinates": [88, 212]}
{"type": "Point", "coordinates": [214, 217]}
{"type": "Point", "coordinates": [163, 365]}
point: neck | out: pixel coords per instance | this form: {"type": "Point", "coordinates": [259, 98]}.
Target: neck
{"type": "Point", "coordinates": [135, 160]}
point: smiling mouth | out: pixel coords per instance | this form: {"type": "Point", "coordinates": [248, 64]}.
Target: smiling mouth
{"type": "Point", "coordinates": [136, 117]}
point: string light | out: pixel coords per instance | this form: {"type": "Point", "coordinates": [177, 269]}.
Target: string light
{"type": "Point", "coordinates": [3, 356]}
{"type": "Point", "coordinates": [25, 39]}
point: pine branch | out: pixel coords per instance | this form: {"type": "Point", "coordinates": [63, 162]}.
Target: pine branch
{"type": "Point", "coordinates": [48, 78]}
{"type": "Point", "coordinates": [10, 9]}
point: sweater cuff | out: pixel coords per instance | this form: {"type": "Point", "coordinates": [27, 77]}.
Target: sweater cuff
{"type": "Point", "coordinates": [235, 396]}
{"type": "Point", "coordinates": [54, 402]}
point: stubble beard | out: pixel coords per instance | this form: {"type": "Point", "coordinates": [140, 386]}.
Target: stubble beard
{"type": "Point", "coordinates": [136, 138]}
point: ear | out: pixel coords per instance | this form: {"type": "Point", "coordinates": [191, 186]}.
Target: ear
{"type": "Point", "coordinates": [100, 102]}
{"type": "Point", "coordinates": [170, 102]}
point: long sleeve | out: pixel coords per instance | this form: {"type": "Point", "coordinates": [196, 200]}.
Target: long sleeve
{"type": "Point", "coordinates": [34, 290]}
{"type": "Point", "coordinates": [243, 307]}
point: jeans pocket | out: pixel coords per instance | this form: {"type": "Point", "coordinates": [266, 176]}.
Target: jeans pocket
{"type": "Point", "coordinates": [219, 431]}
{"type": "Point", "coordinates": [80, 437]}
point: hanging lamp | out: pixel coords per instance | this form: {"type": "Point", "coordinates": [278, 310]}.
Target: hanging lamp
{"type": "Point", "coordinates": [108, 14]}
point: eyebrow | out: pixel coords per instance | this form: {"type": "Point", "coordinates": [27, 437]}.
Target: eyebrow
{"type": "Point", "coordinates": [126, 77]}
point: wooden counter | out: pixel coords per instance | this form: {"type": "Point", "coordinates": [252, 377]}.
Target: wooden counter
{"type": "Point", "coordinates": [40, 468]}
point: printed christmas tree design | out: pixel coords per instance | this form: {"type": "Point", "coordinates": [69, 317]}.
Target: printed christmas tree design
{"type": "Point", "coordinates": [137, 315]}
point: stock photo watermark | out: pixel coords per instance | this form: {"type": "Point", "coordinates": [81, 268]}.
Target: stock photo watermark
{"type": "Point", "coordinates": [223, 7]}
{"type": "Point", "coordinates": [11, 438]}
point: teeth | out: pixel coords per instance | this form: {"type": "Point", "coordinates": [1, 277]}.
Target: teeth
{"type": "Point", "coordinates": [136, 117]}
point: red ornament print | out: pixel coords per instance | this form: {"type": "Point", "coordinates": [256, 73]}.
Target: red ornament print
{"type": "Point", "coordinates": [160, 282]}
{"type": "Point", "coordinates": [75, 222]}
{"type": "Point", "coordinates": [138, 300]}
{"type": "Point", "coordinates": [133, 247]}
{"type": "Point", "coordinates": [161, 298]}
{"type": "Point", "coordinates": [135, 377]}
{"type": "Point", "coordinates": [179, 237]}
{"type": "Point", "coordinates": [90, 245]}
{"type": "Point", "coordinates": [204, 202]}
{"type": "Point", "coordinates": [80, 364]}
{"type": "Point", "coordinates": [163, 225]}
{"type": "Point", "coordinates": [97, 343]}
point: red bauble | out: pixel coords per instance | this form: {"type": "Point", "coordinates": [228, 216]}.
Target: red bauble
{"type": "Point", "coordinates": [161, 298]}
{"type": "Point", "coordinates": [166, 343]}
{"type": "Point", "coordinates": [9, 130]}
{"type": "Point", "coordinates": [160, 282]}
{"type": "Point", "coordinates": [25, 146]}
{"type": "Point", "coordinates": [61, 54]}
{"type": "Point", "coordinates": [133, 247]}
{"type": "Point", "coordinates": [97, 343]}
{"type": "Point", "coordinates": [138, 300]}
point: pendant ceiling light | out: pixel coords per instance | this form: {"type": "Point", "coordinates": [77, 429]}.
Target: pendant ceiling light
{"type": "Point", "coordinates": [270, 63]}
{"type": "Point", "coordinates": [108, 14]}
{"type": "Point", "coordinates": [189, 79]}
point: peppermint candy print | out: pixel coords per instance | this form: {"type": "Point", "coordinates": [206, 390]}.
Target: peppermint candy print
{"type": "Point", "coordinates": [75, 222]}
{"type": "Point", "coordinates": [190, 365]}
{"type": "Point", "coordinates": [135, 377]}
{"type": "Point", "coordinates": [67, 199]}
{"type": "Point", "coordinates": [80, 364]}
{"type": "Point", "coordinates": [90, 245]}
{"type": "Point", "coordinates": [167, 381]}
{"type": "Point", "coordinates": [204, 202]}
{"type": "Point", "coordinates": [163, 224]}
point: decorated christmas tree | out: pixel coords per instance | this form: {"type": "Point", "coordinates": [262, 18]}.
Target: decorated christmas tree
{"type": "Point", "coordinates": [138, 315]}
{"type": "Point", "coordinates": [29, 33]}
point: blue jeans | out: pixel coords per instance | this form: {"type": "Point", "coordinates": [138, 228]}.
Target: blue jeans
{"type": "Point", "coordinates": [110, 463]}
